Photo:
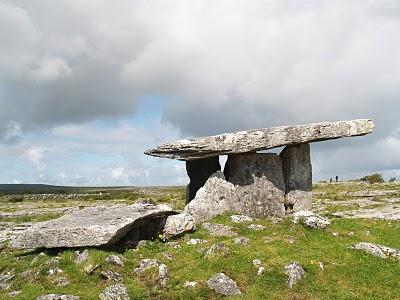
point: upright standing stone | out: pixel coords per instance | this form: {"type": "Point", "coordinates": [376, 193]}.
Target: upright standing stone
{"type": "Point", "coordinates": [259, 183]}
{"type": "Point", "coordinates": [199, 171]}
{"type": "Point", "coordinates": [296, 163]}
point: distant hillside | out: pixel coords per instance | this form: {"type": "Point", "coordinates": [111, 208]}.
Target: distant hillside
{"type": "Point", "coordinates": [7, 189]}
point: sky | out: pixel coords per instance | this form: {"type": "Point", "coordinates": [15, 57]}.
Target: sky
{"type": "Point", "coordinates": [87, 86]}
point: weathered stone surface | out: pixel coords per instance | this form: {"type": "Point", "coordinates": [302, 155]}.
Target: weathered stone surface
{"type": "Point", "coordinates": [310, 219]}
{"type": "Point", "coordinates": [176, 225]}
{"type": "Point", "coordinates": [199, 171]}
{"type": "Point", "coordinates": [93, 226]}
{"type": "Point", "coordinates": [241, 219]}
{"type": "Point", "coordinates": [369, 193]}
{"type": "Point", "coordinates": [223, 285]}
{"type": "Point", "coordinates": [261, 139]}
{"type": "Point", "coordinates": [297, 171]}
{"type": "Point", "coordinates": [81, 256]}
{"type": "Point", "coordinates": [115, 260]}
{"type": "Point", "coordinates": [383, 212]}
{"type": "Point", "coordinates": [219, 229]}
{"type": "Point", "coordinates": [378, 250]}
{"type": "Point", "coordinates": [241, 240]}
{"type": "Point", "coordinates": [57, 297]}
{"type": "Point", "coordinates": [115, 292]}
{"type": "Point", "coordinates": [215, 197]}
{"type": "Point", "coordinates": [295, 272]}
{"type": "Point", "coordinates": [259, 184]}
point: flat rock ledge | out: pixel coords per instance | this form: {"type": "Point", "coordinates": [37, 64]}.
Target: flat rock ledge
{"type": "Point", "coordinates": [378, 250]}
{"type": "Point", "coordinates": [261, 139]}
{"type": "Point", "coordinates": [95, 226]}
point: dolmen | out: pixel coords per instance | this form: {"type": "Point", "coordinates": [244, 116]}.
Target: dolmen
{"type": "Point", "coordinates": [257, 184]}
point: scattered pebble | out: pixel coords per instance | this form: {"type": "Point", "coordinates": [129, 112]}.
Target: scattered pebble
{"type": "Point", "coordinates": [81, 256]}
{"type": "Point", "coordinates": [61, 282]}
{"type": "Point", "coordinates": [321, 265]}
{"type": "Point", "coordinates": [111, 275]}
{"type": "Point", "coordinates": [241, 240]}
{"type": "Point", "coordinates": [241, 219]}
{"type": "Point", "coordinates": [219, 229]}
{"type": "Point", "coordinates": [90, 268]}
{"type": "Point", "coordinates": [217, 249]}
{"type": "Point", "coordinates": [55, 271]}
{"type": "Point", "coordinates": [115, 260]}
{"type": "Point", "coordinates": [13, 293]}
{"type": "Point", "coordinates": [195, 241]}
{"type": "Point", "coordinates": [258, 264]}
{"type": "Point", "coordinates": [168, 256]}
{"type": "Point", "coordinates": [335, 234]}
{"type": "Point", "coordinates": [190, 285]}
{"type": "Point", "coordinates": [256, 227]}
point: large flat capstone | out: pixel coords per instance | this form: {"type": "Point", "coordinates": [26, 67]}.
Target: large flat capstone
{"type": "Point", "coordinates": [93, 226]}
{"type": "Point", "coordinates": [261, 139]}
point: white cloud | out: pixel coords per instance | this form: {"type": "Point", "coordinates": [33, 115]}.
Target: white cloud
{"type": "Point", "coordinates": [117, 173]}
{"type": "Point", "coordinates": [35, 156]}
{"type": "Point", "coordinates": [51, 68]}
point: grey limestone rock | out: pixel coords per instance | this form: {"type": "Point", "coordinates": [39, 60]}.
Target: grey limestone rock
{"type": "Point", "coordinates": [115, 260]}
{"type": "Point", "coordinates": [261, 139]}
{"type": "Point", "coordinates": [115, 292]}
{"type": "Point", "coordinates": [310, 219]}
{"type": "Point", "coordinates": [223, 285]}
{"type": "Point", "coordinates": [295, 272]}
{"type": "Point", "coordinates": [215, 197]}
{"type": "Point", "coordinates": [219, 229]}
{"type": "Point", "coordinates": [259, 184]}
{"type": "Point", "coordinates": [93, 226]}
{"type": "Point", "coordinates": [199, 171]}
{"type": "Point", "coordinates": [297, 171]}
{"type": "Point", "coordinates": [378, 250]}
{"type": "Point", "coordinates": [81, 256]}
{"type": "Point", "coordinates": [176, 225]}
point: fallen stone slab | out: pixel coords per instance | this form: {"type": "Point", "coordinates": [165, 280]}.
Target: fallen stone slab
{"type": "Point", "coordinates": [94, 226]}
{"type": "Point", "coordinates": [378, 250]}
{"type": "Point", "coordinates": [261, 139]}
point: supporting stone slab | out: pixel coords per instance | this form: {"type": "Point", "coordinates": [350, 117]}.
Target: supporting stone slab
{"type": "Point", "coordinates": [259, 183]}
{"type": "Point", "coordinates": [199, 171]}
{"type": "Point", "coordinates": [297, 171]}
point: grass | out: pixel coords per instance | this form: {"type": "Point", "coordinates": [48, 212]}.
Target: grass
{"type": "Point", "coordinates": [346, 273]}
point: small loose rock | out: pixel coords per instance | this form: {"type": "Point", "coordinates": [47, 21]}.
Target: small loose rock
{"type": "Point", "coordinates": [241, 240]}
{"type": "Point", "coordinates": [256, 227]}
{"type": "Point", "coordinates": [195, 242]}
{"type": "Point", "coordinates": [378, 250]}
{"type": "Point", "coordinates": [177, 225]}
{"type": "Point", "coordinates": [114, 292]}
{"type": "Point", "coordinates": [81, 256]}
{"type": "Point", "coordinates": [115, 260]}
{"type": "Point", "coordinates": [190, 285]}
{"type": "Point", "coordinates": [295, 272]}
{"type": "Point", "coordinates": [111, 275]}
{"type": "Point", "coordinates": [241, 219]}
{"type": "Point", "coordinates": [223, 285]}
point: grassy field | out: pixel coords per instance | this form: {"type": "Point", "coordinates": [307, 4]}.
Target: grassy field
{"type": "Point", "coordinates": [333, 271]}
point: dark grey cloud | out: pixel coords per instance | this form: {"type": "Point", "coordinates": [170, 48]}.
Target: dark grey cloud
{"type": "Point", "coordinates": [222, 67]}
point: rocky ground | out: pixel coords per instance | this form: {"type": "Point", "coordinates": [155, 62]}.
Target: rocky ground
{"type": "Point", "coordinates": [349, 252]}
